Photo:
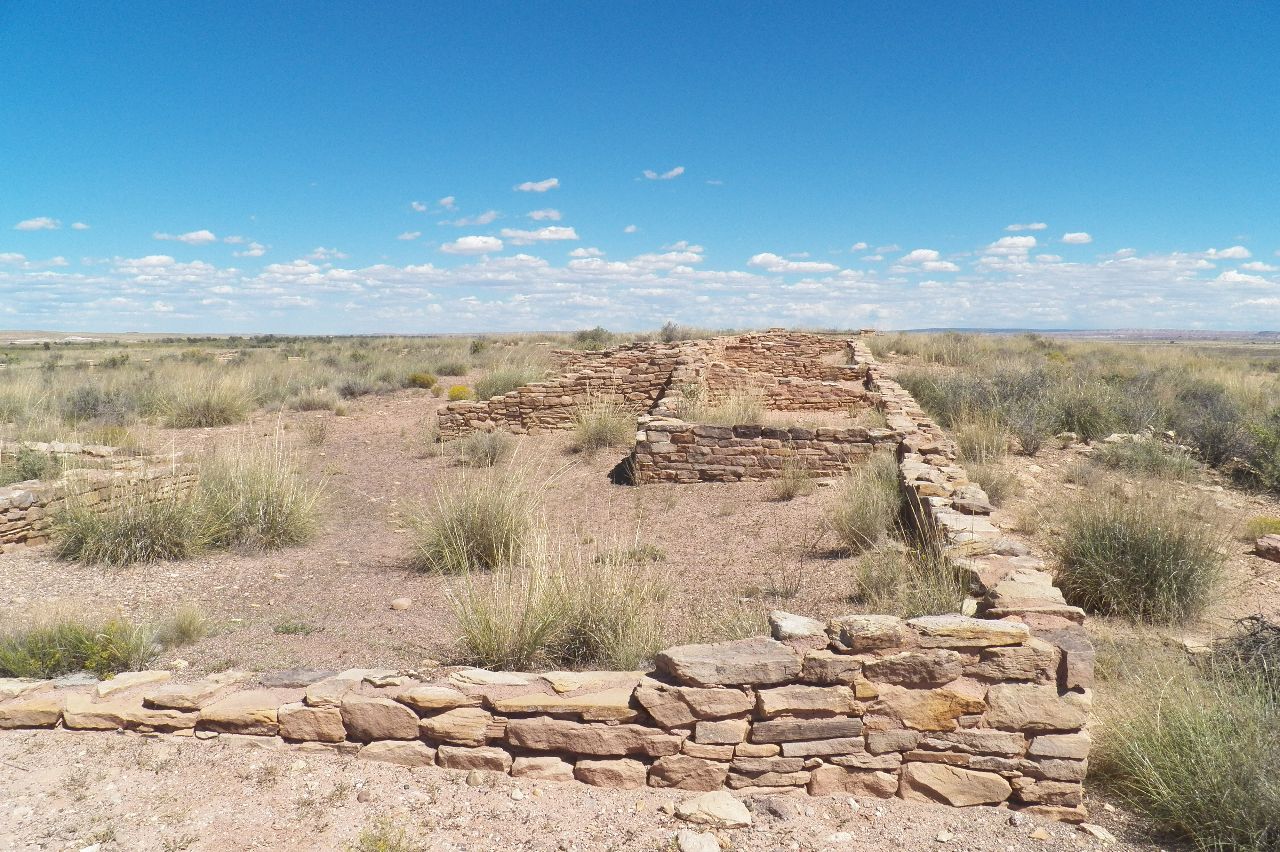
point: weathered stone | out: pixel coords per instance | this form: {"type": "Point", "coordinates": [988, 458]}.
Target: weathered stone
{"type": "Point", "coordinates": [687, 773]}
{"type": "Point", "coordinates": [82, 713]}
{"type": "Point", "coordinates": [882, 762]}
{"type": "Point", "coordinates": [1056, 812]}
{"type": "Point", "coordinates": [756, 661]}
{"type": "Point", "coordinates": [708, 751]}
{"type": "Point", "coordinates": [1035, 659]}
{"type": "Point", "coordinates": [1055, 769]}
{"type": "Point", "coordinates": [859, 633]}
{"type": "Point", "coordinates": [192, 696]}
{"type": "Point", "coordinates": [666, 706]}
{"type": "Point", "coordinates": [688, 840]}
{"type": "Point", "coordinates": [610, 705]}
{"type": "Point", "coordinates": [128, 680]}
{"type": "Point", "coordinates": [1268, 547]}
{"type": "Point", "coordinates": [717, 808]}
{"type": "Point", "coordinates": [768, 779]}
{"type": "Point", "coordinates": [958, 631]}
{"type": "Point", "coordinates": [487, 758]}
{"type": "Point", "coordinates": [370, 717]}
{"type": "Point", "coordinates": [429, 699]}
{"type": "Point", "coordinates": [789, 730]}
{"type": "Point", "coordinates": [822, 748]}
{"type": "Point", "coordinates": [786, 625]}
{"type": "Point", "coordinates": [1076, 652]}
{"type": "Point", "coordinates": [542, 768]}
{"type": "Point", "coordinates": [12, 687]}
{"type": "Point", "coordinates": [1040, 792]}
{"type": "Point", "coordinates": [760, 765]}
{"type": "Point", "coordinates": [1071, 746]}
{"type": "Point", "coordinates": [953, 785]}
{"type": "Point", "coordinates": [402, 752]}
{"type": "Point", "coordinates": [925, 668]}
{"type": "Point", "coordinates": [716, 703]}
{"type": "Point", "coordinates": [294, 678]}
{"type": "Point", "coordinates": [253, 711]}
{"type": "Point", "coordinates": [484, 677]}
{"type": "Point", "coordinates": [728, 731]}
{"type": "Point", "coordinates": [977, 741]}
{"type": "Point", "coordinates": [621, 774]}
{"type": "Point", "coordinates": [882, 742]}
{"type": "Point", "coordinates": [33, 711]}
{"type": "Point", "coordinates": [329, 691]}
{"type": "Point", "coordinates": [829, 668]}
{"type": "Point", "coordinates": [757, 750]}
{"type": "Point", "coordinates": [806, 701]}
{"type": "Point", "coordinates": [460, 726]}
{"type": "Point", "coordinates": [1036, 708]}
{"type": "Point", "coordinates": [541, 733]}
{"type": "Point", "coordinates": [315, 724]}
{"type": "Point", "coordinates": [932, 709]}
{"type": "Point", "coordinates": [836, 780]}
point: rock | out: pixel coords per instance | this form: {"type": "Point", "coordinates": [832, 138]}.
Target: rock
{"type": "Point", "coordinates": [1071, 746]}
{"type": "Point", "coordinates": [778, 807]}
{"type": "Point", "coordinates": [401, 752]}
{"type": "Point", "coordinates": [971, 500]}
{"type": "Point", "coordinates": [329, 691]}
{"type": "Point", "coordinates": [610, 705]}
{"type": "Point", "coordinates": [806, 701]}
{"type": "Point", "coordinates": [1040, 792]}
{"type": "Point", "coordinates": [427, 699]}
{"type": "Point", "coordinates": [829, 668]}
{"type": "Point", "coordinates": [460, 726]}
{"type": "Point", "coordinates": [484, 677]}
{"type": "Point", "coordinates": [31, 712]}
{"type": "Point", "coordinates": [890, 762]}
{"type": "Point", "coordinates": [823, 748]}
{"type": "Point", "coordinates": [293, 678]}
{"type": "Point", "coordinates": [768, 779]}
{"type": "Point", "coordinates": [1268, 547]}
{"type": "Point", "coordinates": [401, 604]}
{"type": "Point", "coordinates": [755, 749]}
{"type": "Point", "coordinates": [933, 667]}
{"type": "Point", "coordinates": [687, 773]}
{"type": "Point", "coordinates": [860, 633]}
{"type": "Point", "coordinates": [1039, 834]}
{"type": "Point", "coordinates": [621, 774]}
{"type": "Point", "coordinates": [694, 841]}
{"type": "Point", "coordinates": [488, 758]}
{"type": "Point", "coordinates": [1037, 708]}
{"type": "Point", "coordinates": [785, 625]}
{"type": "Point", "coordinates": [666, 706]}
{"type": "Point", "coordinates": [12, 687]}
{"type": "Point", "coordinates": [313, 724]}
{"type": "Point", "coordinates": [716, 703]}
{"type": "Point", "coordinates": [977, 741]}
{"type": "Point", "coordinates": [82, 713]}
{"type": "Point", "coordinates": [252, 711]}
{"type": "Point", "coordinates": [727, 731]}
{"type": "Point", "coordinates": [370, 717]}
{"type": "Point", "coordinates": [717, 808]}
{"type": "Point", "coordinates": [836, 780]}
{"type": "Point", "coordinates": [952, 785]}
{"type": "Point", "coordinates": [1098, 832]}
{"type": "Point", "coordinates": [1033, 660]}
{"type": "Point", "coordinates": [757, 661]}
{"type": "Point", "coordinates": [475, 778]}
{"type": "Point", "coordinates": [789, 730]}
{"type": "Point", "coordinates": [540, 733]}
{"type": "Point", "coordinates": [542, 768]}
{"type": "Point", "coordinates": [882, 742]}
{"type": "Point", "coordinates": [128, 680]}
{"type": "Point", "coordinates": [192, 696]}
{"type": "Point", "coordinates": [933, 709]}
{"type": "Point", "coordinates": [958, 631]}
{"type": "Point", "coordinates": [708, 751]}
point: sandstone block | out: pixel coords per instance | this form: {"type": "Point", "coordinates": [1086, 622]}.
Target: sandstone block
{"type": "Point", "coordinates": [370, 717]}
{"type": "Point", "coordinates": [192, 696]}
{"type": "Point", "coordinates": [1041, 792]}
{"type": "Point", "coordinates": [883, 742]}
{"type": "Point", "coordinates": [756, 661]}
{"type": "Point", "coordinates": [311, 724]}
{"type": "Point", "coordinates": [737, 781]}
{"type": "Point", "coordinates": [860, 633]}
{"type": "Point", "coordinates": [606, 705]}
{"type": "Point", "coordinates": [128, 680]}
{"type": "Point", "coordinates": [882, 762]}
{"type": "Point", "coordinates": [958, 631]}
{"type": "Point", "coordinates": [622, 774]}
{"type": "Point", "coordinates": [542, 768]}
{"type": "Point", "coordinates": [12, 687]}
{"type": "Point", "coordinates": [717, 808]}
{"type": "Point", "coordinates": [401, 752]}
{"type": "Point", "coordinates": [836, 780]}
{"type": "Point", "coordinates": [82, 713]}
{"type": "Point", "coordinates": [727, 731]}
{"type": "Point", "coordinates": [806, 701]}
{"type": "Point", "coordinates": [789, 729]}
{"type": "Point", "coordinates": [925, 668]}
{"type": "Point", "coordinates": [430, 699]}
{"type": "Point", "coordinates": [757, 750]}
{"type": "Point", "coordinates": [460, 726]}
{"type": "Point", "coordinates": [930, 709]}
{"type": "Point", "coordinates": [786, 625]}
{"type": "Point", "coordinates": [541, 733]}
{"type": "Point", "coordinates": [486, 758]}
{"type": "Point", "coordinates": [687, 773]}
{"type": "Point", "coordinates": [1037, 708]}
{"type": "Point", "coordinates": [1071, 746]}
{"type": "Point", "coordinates": [823, 748]}
{"type": "Point", "coordinates": [716, 703]}
{"type": "Point", "coordinates": [252, 711]}
{"type": "Point", "coordinates": [1034, 660]}
{"type": "Point", "coordinates": [977, 741]}
{"type": "Point", "coordinates": [952, 785]}
{"type": "Point", "coordinates": [665, 705]}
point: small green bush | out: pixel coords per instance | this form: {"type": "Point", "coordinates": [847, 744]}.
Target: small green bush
{"type": "Point", "coordinates": [1256, 528]}
{"type": "Point", "coordinates": [458, 393]}
{"type": "Point", "coordinates": [65, 645]}
{"type": "Point", "coordinates": [452, 368]}
{"type": "Point", "coordinates": [421, 380]}
{"type": "Point", "coordinates": [314, 399]}
{"type": "Point", "coordinates": [27, 464]}
{"type": "Point", "coordinates": [1138, 558]}
{"type": "Point", "coordinates": [202, 405]}
{"type": "Point", "coordinates": [600, 424]}
{"type": "Point", "coordinates": [485, 449]}
{"type": "Point", "coordinates": [867, 503]}
{"type": "Point", "coordinates": [482, 524]}
{"type": "Point", "coordinates": [593, 339]}
{"type": "Point", "coordinates": [105, 405]}
{"type": "Point", "coordinates": [354, 387]}
{"type": "Point", "coordinates": [133, 525]}
{"type": "Point", "coordinates": [1148, 458]}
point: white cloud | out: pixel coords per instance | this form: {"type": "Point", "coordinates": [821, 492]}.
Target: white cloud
{"type": "Point", "coordinates": [79, 226]}
{"type": "Point", "coordinates": [1077, 238]}
{"type": "Point", "coordinates": [1011, 246]}
{"type": "Point", "coordinates": [552, 232]}
{"type": "Point", "coordinates": [234, 240]}
{"type": "Point", "coordinates": [919, 256]}
{"type": "Point", "coordinates": [630, 229]}
{"type": "Point", "coordinates": [255, 249]}
{"type": "Point", "coordinates": [1258, 266]}
{"type": "Point", "coordinates": [858, 246]}
{"type": "Point", "coordinates": [448, 202]}
{"type": "Point", "coordinates": [322, 253]}
{"type": "Point", "coordinates": [1030, 226]}
{"type": "Point", "coordinates": [162, 307]}
{"type": "Point", "coordinates": [192, 238]}
{"type": "Point", "coordinates": [39, 223]}
{"type": "Point", "coordinates": [771, 262]}
{"type": "Point", "coordinates": [409, 235]}
{"type": "Point", "coordinates": [650, 174]}
{"type": "Point", "coordinates": [1049, 258]}
{"type": "Point", "coordinates": [544, 214]}
{"type": "Point", "coordinates": [418, 206]}
{"type": "Point", "coordinates": [479, 219]}
{"type": "Point", "coordinates": [472, 245]}
{"type": "Point", "coordinates": [11, 257]}
{"type": "Point", "coordinates": [714, 182]}
{"type": "Point", "coordinates": [586, 252]}
{"type": "Point", "coordinates": [1232, 253]}
{"type": "Point", "coordinates": [538, 186]}
{"type": "Point", "coordinates": [939, 266]}
{"type": "Point", "coordinates": [1231, 276]}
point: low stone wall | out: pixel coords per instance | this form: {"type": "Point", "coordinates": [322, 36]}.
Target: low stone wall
{"type": "Point", "coordinates": [785, 354]}
{"type": "Point", "coordinates": [27, 509]}
{"type": "Point", "coordinates": [63, 451]}
{"type": "Point", "coordinates": [789, 394]}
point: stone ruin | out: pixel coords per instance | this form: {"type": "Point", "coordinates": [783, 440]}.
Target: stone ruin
{"type": "Point", "coordinates": [987, 706]}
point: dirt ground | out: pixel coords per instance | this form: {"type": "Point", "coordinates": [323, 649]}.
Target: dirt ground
{"type": "Point", "coordinates": [106, 792]}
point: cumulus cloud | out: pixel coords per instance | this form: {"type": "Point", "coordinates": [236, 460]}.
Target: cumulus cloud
{"type": "Point", "coordinates": [770, 262]}
{"type": "Point", "coordinates": [1011, 246]}
{"type": "Point", "coordinates": [418, 206]}
{"type": "Point", "coordinates": [484, 218]}
{"type": "Point", "coordinates": [39, 223]}
{"type": "Point", "coordinates": [409, 235]}
{"type": "Point", "coordinates": [1029, 226]}
{"type": "Point", "coordinates": [650, 174]}
{"type": "Point", "coordinates": [939, 266]}
{"type": "Point", "coordinates": [448, 202]}
{"type": "Point", "coordinates": [1259, 266]}
{"type": "Point", "coordinates": [919, 256]}
{"type": "Point", "coordinates": [1077, 238]}
{"type": "Point", "coordinates": [858, 246]}
{"type": "Point", "coordinates": [538, 185]}
{"type": "Point", "coordinates": [201, 237]}
{"type": "Point", "coordinates": [586, 252]}
{"type": "Point", "coordinates": [1232, 276]}
{"type": "Point", "coordinates": [472, 245]}
{"type": "Point", "coordinates": [1232, 253]}
{"type": "Point", "coordinates": [552, 232]}
{"type": "Point", "coordinates": [322, 253]}
{"type": "Point", "coordinates": [79, 226]}
{"type": "Point", "coordinates": [630, 229]}
{"type": "Point", "coordinates": [254, 249]}
{"type": "Point", "coordinates": [545, 214]}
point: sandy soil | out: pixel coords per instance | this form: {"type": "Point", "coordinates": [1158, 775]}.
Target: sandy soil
{"type": "Point", "coordinates": [107, 792]}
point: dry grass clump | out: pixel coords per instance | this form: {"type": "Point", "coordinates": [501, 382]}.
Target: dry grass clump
{"type": "Point", "coordinates": [383, 835]}
{"type": "Point", "coordinates": [315, 399]}
{"type": "Point", "coordinates": [485, 448]}
{"type": "Point", "coordinates": [203, 402]}
{"type": "Point", "coordinates": [483, 523]}
{"type": "Point", "coordinates": [66, 644]}
{"type": "Point", "coordinates": [255, 497]}
{"type": "Point", "coordinates": [867, 503]}
{"type": "Point", "coordinates": [506, 378]}
{"type": "Point", "coordinates": [982, 439]}
{"type": "Point", "coordinates": [1191, 747]}
{"type": "Point", "coordinates": [997, 480]}
{"type": "Point", "coordinates": [1137, 557]}
{"type": "Point", "coordinates": [741, 407]}
{"type": "Point", "coordinates": [599, 424]}
{"type": "Point", "coordinates": [795, 481]}
{"type": "Point", "coordinates": [1148, 458]}
{"type": "Point", "coordinates": [134, 525]}
{"type": "Point", "coordinates": [27, 464]}
{"type": "Point", "coordinates": [907, 582]}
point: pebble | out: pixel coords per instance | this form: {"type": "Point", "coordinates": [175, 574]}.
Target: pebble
{"type": "Point", "coordinates": [1097, 832]}
{"type": "Point", "coordinates": [1040, 834]}
{"type": "Point", "coordinates": [401, 603]}
{"type": "Point", "coordinates": [365, 795]}
{"type": "Point", "coordinates": [475, 778]}
{"type": "Point", "coordinates": [688, 840]}
{"type": "Point", "coordinates": [944, 836]}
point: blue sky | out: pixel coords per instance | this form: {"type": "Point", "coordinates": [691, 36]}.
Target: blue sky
{"type": "Point", "coordinates": [355, 167]}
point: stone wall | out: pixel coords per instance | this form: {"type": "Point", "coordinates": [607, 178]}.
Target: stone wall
{"type": "Point", "coordinates": [27, 509]}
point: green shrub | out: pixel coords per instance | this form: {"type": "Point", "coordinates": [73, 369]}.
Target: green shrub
{"type": "Point", "coordinates": [452, 368]}
{"type": "Point", "coordinates": [483, 523]}
{"type": "Point", "coordinates": [1148, 458]}
{"type": "Point", "coordinates": [982, 440]}
{"type": "Point", "coordinates": [384, 836]}
{"type": "Point", "coordinates": [867, 503]}
{"type": "Point", "coordinates": [200, 405]}
{"type": "Point", "coordinates": [504, 380]}
{"type": "Point", "coordinates": [314, 399]}
{"type": "Point", "coordinates": [485, 449]}
{"type": "Point", "coordinates": [593, 339]}
{"type": "Point", "coordinates": [458, 393]}
{"type": "Point", "coordinates": [354, 387]}
{"type": "Point", "coordinates": [1256, 528]}
{"type": "Point", "coordinates": [132, 525]}
{"type": "Point", "coordinates": [256, 498]}
{"type": "Point", "coordinates": [907, 583]}
{"type": "Point", "coordinates": [421, 380]}
{"type": "Point", "coordinates": [1138, 557]}
{"type": "Point", "coordinates": [600, 424]}
{"type": "Point", "coordinates": [107, 405]}
{"type": "Point", "coordinates": [795, 481]}
{"type": "Point", "coordinates": [27, 464]}
{"type": "Point", "coordinates": [66, 644]}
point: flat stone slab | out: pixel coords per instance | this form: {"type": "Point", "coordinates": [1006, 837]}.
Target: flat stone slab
{"type": "Point", "coordinates": [128, 680]}
{"type": "Point", "coordinates": [758, 661]}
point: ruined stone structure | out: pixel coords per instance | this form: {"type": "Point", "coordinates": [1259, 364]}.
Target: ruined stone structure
{"type": "Point", "coordinates": [990, 705]}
